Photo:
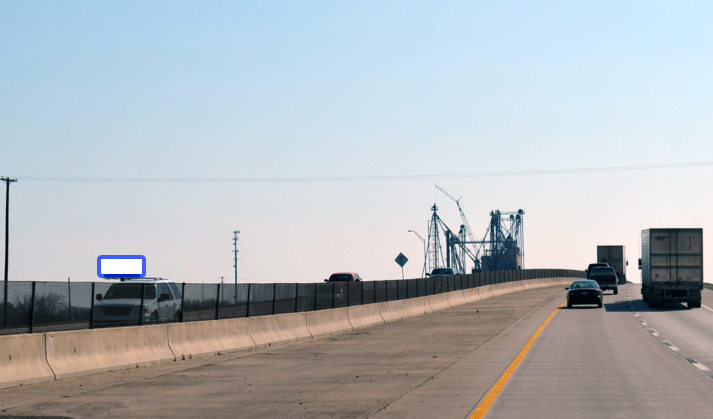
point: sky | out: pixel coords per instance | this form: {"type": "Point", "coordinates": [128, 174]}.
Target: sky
{"type": "Point", "coordinates": [348, 95]}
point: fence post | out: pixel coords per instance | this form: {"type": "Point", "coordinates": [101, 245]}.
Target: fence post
{"type": "Point", "coordinates": [69, 299]}
{"type": "Point", "coordinates": [333, 297]}
{"type": "Point", "coordinates": [183, 301]}
{"type": "Point", "coordinates": [247, 304]}
{"type": "Point", "coordinates": [32, 308]}
{"type": "Point", "coordinates": [217, 303]}
{"type": "Point", "coordinates": [141, 308]}
{"type": "Point", "coordinates": [4, 305]}
{"type": "Point", "coordinates": [91, 316]}
{"type": "Point", "coordinates": [297, 297]}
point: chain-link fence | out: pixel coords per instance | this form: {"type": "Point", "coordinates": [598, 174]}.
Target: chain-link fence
{"type": "Point", "coordinates": [28, 307]}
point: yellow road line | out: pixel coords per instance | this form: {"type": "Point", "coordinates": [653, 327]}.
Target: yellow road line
{"type": "Point", "coordinates": [498, 387]}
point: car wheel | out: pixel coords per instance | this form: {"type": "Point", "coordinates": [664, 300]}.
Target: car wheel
{"type": "Point", "coordinates": [177, 317]}
{"type": "Point", "coordinates": [154, 318]}
{"type": "Point", "coordinates": [616, 291]}
{"type": "Point", "coordinates": [569, 305]}
{"type": "Point", "coordinates": [599, 305]}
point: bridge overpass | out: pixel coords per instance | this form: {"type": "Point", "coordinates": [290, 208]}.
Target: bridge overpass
{"type": "Point", "coordinates": [624, 360]}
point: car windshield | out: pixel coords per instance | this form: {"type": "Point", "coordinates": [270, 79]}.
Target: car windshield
{"type": "Point", "coordinates": [442, 271]}
{"type": "Point", "coordinates": [340, 277]}
{"type": "Point", "coordinates": [131, 291]}
{"type": "Point", "coordinates": [602, 271]}
{"type": "Point", "coordinates": [585, 284]}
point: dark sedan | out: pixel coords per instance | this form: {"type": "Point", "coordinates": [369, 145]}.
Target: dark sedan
{"type": "Point", "coordinates": [584, 292]}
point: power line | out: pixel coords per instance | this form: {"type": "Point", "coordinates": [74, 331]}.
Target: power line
{"type": "Point", "coordinates": [368, 178]}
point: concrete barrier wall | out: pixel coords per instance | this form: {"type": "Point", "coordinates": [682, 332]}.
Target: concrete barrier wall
{"type": "Point", "coordinates": [393, 310]}
{"type": "Point", "coordinates": [324, 322]}
{"type": "Point", "coordinates": [438, 302]}
{"type": "Point", "coordinates": [266, 330]}
{"type": "Point", "coordinates": [365, 316]}
{"type": "Point", "coordinates": [485, 292]}
{"type": "Point", "coordinates": [497, 290]}
{"type": "Point", "coordinates": [402, 309]}
{"type": "Point", "coordinates": [541, 283]}
{"type": "Point", "coordinates": [187, 340]}
{"type": "Point", "coordinates": [456, 298]}
{"type": "Point", "coordinates": [23, 361]}
{"type": "Point", "coordinates": [27, 359]}
{"type": "Point", "coordinates": [471, 295]}
{"type": "Point", "coordinates": [83, 352]}
{"type": "Point", "coordinates": [419, 306]}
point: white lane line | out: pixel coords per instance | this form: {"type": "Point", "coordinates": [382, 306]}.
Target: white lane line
{"type": "Point", "coordinates": [671, 347]}
{"type": "Point", "coordinates": [654, 333]}
{"type": "Point", "coordinates": [707, 308]}
{"type": "Point", "coordinates": [701, 367]}
{"type": "Point", "coordinates": [697, 364]}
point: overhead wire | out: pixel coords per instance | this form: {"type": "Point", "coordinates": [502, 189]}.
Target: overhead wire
{"type": "Point", "coordinates": [367, 178]}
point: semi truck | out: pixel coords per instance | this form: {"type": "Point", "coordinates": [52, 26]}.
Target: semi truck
{"type": "Point", "coordinates": [672, 265]}
{"type": "Point", "coordinates": [615, 257]}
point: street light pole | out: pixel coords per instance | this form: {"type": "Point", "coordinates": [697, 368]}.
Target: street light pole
{"type": "Point", "coordinates": [423, 274]}
{"type": "Point", "coordinates": [7, 181]}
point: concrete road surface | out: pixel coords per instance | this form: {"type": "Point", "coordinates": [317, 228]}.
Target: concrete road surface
{"type": "Point", "coordinates": [587, 362]}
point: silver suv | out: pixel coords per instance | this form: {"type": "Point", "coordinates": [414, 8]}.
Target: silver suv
{"type": "Point", "coordinates": [123, 303]}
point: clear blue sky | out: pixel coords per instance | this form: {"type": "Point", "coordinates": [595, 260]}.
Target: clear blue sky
{"type": "Point", "coordinates": [264, 89]}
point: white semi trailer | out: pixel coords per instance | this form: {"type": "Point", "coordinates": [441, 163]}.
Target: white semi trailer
{"type": "Point", "coordinates": [614, 256]}
{"type": "Point", "coordinates": [672, 265]}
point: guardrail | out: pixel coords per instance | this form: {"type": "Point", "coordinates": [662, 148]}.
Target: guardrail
{"type": "Point", "coordinates": [30, 307]}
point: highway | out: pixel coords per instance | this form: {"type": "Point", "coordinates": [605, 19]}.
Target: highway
{"type": "Point", "coordinates": [616, 362]}
{"type": "Point", "coordinates": [624, 360]}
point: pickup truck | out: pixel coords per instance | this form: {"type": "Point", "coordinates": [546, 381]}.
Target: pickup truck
{"type": "Point", "coordinates": [605, 277]}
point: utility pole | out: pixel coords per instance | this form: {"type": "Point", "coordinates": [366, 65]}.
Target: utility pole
{"type": "Point", "coordinates": [235, 252]}
{"type": "Point", "coordinates": [235, 262]}
{"type": "Point", "coordinates": [7, 181]}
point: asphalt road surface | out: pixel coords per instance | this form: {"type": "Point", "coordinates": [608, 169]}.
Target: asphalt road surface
{"type": "Point", "coordinates": [587, 362]}
{"type": "Point", "coordinates": [625, 361]}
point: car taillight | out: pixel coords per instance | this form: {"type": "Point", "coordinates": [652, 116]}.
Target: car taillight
{"type": "Point", "coordinates": [598, 291]}
{"type": "Point", "coordinates": [571, 293]}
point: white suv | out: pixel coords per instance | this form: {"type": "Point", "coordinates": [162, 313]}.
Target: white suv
{"type": "Point", "coordinates": [122, 303]}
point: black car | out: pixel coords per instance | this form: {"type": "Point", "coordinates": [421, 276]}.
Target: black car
{"type": "Point", "coordinates": [344, 277]}
{"type": "Point", "coordinates": [586, 291]}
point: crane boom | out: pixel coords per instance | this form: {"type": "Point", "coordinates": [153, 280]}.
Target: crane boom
{"type": "Point", "coordinates": [463, 217]}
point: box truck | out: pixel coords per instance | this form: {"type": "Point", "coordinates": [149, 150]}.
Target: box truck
{"type": "Point", "coordinates": [615, 257]}
{"type": "Point", "coordinates": [672, 265]}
